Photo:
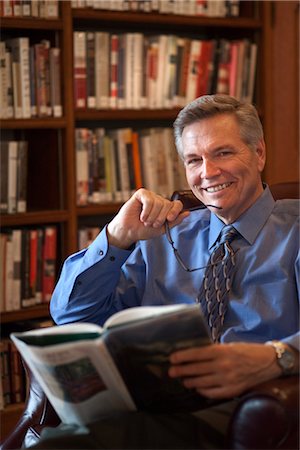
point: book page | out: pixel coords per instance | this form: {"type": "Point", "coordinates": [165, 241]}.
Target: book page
{"type": "Point", "coordinates": [142, 312]}
{"type": "Point", "coordinates": [79, 379]}
{"type": "Point", "coordinates": [60, 334]}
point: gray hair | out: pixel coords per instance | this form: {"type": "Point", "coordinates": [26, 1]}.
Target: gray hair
{"type": "Point", "coordinates": [251, 130]}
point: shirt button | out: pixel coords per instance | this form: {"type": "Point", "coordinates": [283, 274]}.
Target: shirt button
{"type": "Point", "coordinates": [101, 252]}
{"type": "Point", "coordinates": [112, 258]}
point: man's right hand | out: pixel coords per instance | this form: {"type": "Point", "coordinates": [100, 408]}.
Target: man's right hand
{"type": "Point", "coordinates": [142, 217]}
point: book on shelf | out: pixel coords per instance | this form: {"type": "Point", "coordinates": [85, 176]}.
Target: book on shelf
{"type": "Point", "coordinates": [49, 262]}
{"type": "Point", "coordinates": [46, 9]}
{"type": "Point", "coordinates": [55, 82]}
{"type": "Point", "coordinates": [80, 69]}
{"type": "Point", "coordinates": [19, 48]}
{"type": "Point", "coordinates": [3, 81]}
{"type": "Point", "coordinates": [82, 175]}
{"type": "Point", "coordinates": [113, 74]}
{"type": "Point", "coordinates": [12, 176]}
{"type": "Point", "coordinates": [209, 8]}
{"type": "Point", "coordinates": [14, 157]}
{"type": "Point", "coordinates": [17, 273]}
{"type": "Point", "coordinates": [22, 175]}
{"type": "Point", "coordinates": [87, 370]}
{"type": "Point", "coordinates": [28, 263]}
{"type": "Point", "coordinates": [86, 235]}
{"type": "Point", "coordinates": [90, 69]}
{"type": "Point", "coordinates": [102, 56]}
{"type": "Point", "coordinates": [4, 178]}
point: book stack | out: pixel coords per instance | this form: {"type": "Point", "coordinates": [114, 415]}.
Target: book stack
{"type": "Point", "coordinates": [13, 160]}
{"type": "Point", "coordinates": [29, 79]}
{"type": "Point", "coordinates": [135, 71]}
{"type": "Point", "coordinates": [209, 8]}
{"type": "Point", "coordinates": [28, 267]}
{"type": "Point", "coordinates": [112, 164]}
{"type": "Point", "coordinates": [44, 9]}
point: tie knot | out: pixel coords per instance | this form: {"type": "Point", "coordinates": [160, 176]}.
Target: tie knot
{"type": "Point", "coordinates": [228, 233]}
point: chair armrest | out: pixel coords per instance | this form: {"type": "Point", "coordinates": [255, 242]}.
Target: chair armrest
{"type": "Point", "coordinates": [38, 413]}
{"type": "Point", "coordinates": [267, 417]}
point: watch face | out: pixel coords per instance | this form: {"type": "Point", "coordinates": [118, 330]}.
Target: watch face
{"type": "Point", "coordinates": [287, 360]}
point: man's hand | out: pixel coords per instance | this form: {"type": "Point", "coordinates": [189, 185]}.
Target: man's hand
{"type": "Point", "coordinates": [224, 370]}
{"type": "Point", "coordinates": [142, 217]}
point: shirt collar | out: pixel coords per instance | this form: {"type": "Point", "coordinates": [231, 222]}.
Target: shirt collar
{"type": "Point", "coordinates": [249, 223]}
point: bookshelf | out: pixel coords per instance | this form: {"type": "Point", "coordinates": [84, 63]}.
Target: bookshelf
{"type": "Point", "coordinates": [52, 165]}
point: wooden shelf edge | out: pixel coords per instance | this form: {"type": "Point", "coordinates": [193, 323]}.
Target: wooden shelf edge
{"type": "Point", "coordinates": [103, 16]}
{"type": "Point", "coordinates": [93, 210]}
{"type": "Point", "coordinates": [126, 114]}
{"type": "Point", "coordinates": [32, 312]}
{"type": "Point", "coordinates": [46, 123]}
{"type": "Point", "coordinates": [36, 23]}
{"type": "Point", "coordinates": [37, 217]}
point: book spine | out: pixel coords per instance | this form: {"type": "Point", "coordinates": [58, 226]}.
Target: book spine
{"type": "Point", "coordinates": [90, 68]}
{"type": "Point", "coordinates": [17, 256]}
{"type": "Point", "coordinates": [4, 177]}
{"type": "Point", "coordinates": [3, 82]}
{"type": "Point", "coordinates": [49, 261]}
{"type": "Point", "coordinates": [40, 74]}
{"type": "Point", "coordinates": [22, 176]}
{"type": "Point", "coordinates": [24, 75]}
{"type": "Point", "coordinates": [80, 75]}
{"type": "Point", "coordinates": [102, 69]}
{"type": "Point", "coordinates": [113, 79]}
{"type": "Point", "coordinates": [82, 175]}
{"type": "Point", "coordinates": [9, 274]}
{"type": "Point", "coordinates": [12, 176]}
{"type": "Point", "coordinates": [137, 69]}
{"type": "Point", "coordinates": [55, 82]}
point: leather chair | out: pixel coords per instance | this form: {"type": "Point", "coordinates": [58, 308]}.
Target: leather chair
{"type": "Point", "coordinates": [266, 417]}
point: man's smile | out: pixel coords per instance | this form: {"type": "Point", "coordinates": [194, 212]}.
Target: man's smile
{"type": "Point", "coordinates": [217, 188]}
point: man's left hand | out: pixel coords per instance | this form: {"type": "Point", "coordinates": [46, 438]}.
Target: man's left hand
{"type": "Point", "coordinates": [224, 370]}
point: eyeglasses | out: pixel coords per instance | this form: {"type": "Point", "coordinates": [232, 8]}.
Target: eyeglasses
{"type": "Point", "coordinates": [180, 260]}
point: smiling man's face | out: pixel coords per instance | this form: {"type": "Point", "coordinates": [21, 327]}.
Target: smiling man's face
{"type": "Point", "coordinates": [221, 169]}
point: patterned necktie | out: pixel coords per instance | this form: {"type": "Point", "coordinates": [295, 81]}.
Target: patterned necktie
{"type": "Point", "coordinates": [213, 295]}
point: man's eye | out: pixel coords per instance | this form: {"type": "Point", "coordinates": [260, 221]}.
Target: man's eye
{"type": "Point", "coordinates": [225, 153]}
{"type": "Point", "coordinates": [193, 161]}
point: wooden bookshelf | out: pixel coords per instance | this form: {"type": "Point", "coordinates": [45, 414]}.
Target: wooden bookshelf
{"type": "Point", "coordinates": [56, 135]}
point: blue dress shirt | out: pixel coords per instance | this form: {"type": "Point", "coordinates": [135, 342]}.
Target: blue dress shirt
{"type": "Point", "coordinates": [264, 300]}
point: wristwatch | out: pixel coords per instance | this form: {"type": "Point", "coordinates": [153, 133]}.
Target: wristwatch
{"type": "Point", "coordinates": [285, 357]}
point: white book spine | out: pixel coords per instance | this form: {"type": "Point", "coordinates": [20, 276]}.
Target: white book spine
{"type": "Point", "coordinates": [12, 176]}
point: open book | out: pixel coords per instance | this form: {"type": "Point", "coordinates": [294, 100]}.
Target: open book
{"type": "Point", "coordinates": [87, 371]}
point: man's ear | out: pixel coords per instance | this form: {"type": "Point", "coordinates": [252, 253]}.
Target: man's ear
{"type": "Point", "coordinates": [261, 155]}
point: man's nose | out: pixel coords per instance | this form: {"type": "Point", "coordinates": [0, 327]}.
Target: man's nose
{"type": "Point", "coordinates": [209, 169]}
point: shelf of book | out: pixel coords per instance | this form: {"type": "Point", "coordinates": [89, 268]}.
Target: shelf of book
{"type": "Point", "coordinates": [33, 312]}
{"type": "Point", "coordinates": [28, 23]}
{"type": "Point", "coordinates": [34, 218]}
{"type": "Point", "coordinates": [34, 123]}
{"type": "Point", "coordinates": [161, 20]}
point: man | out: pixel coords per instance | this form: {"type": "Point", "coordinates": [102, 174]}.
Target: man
{"type": "Point", "coordinates": [131, 263]}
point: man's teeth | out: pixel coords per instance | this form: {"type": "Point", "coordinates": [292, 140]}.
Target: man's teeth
{"type": "Point", "coordinates": [217, 188]}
